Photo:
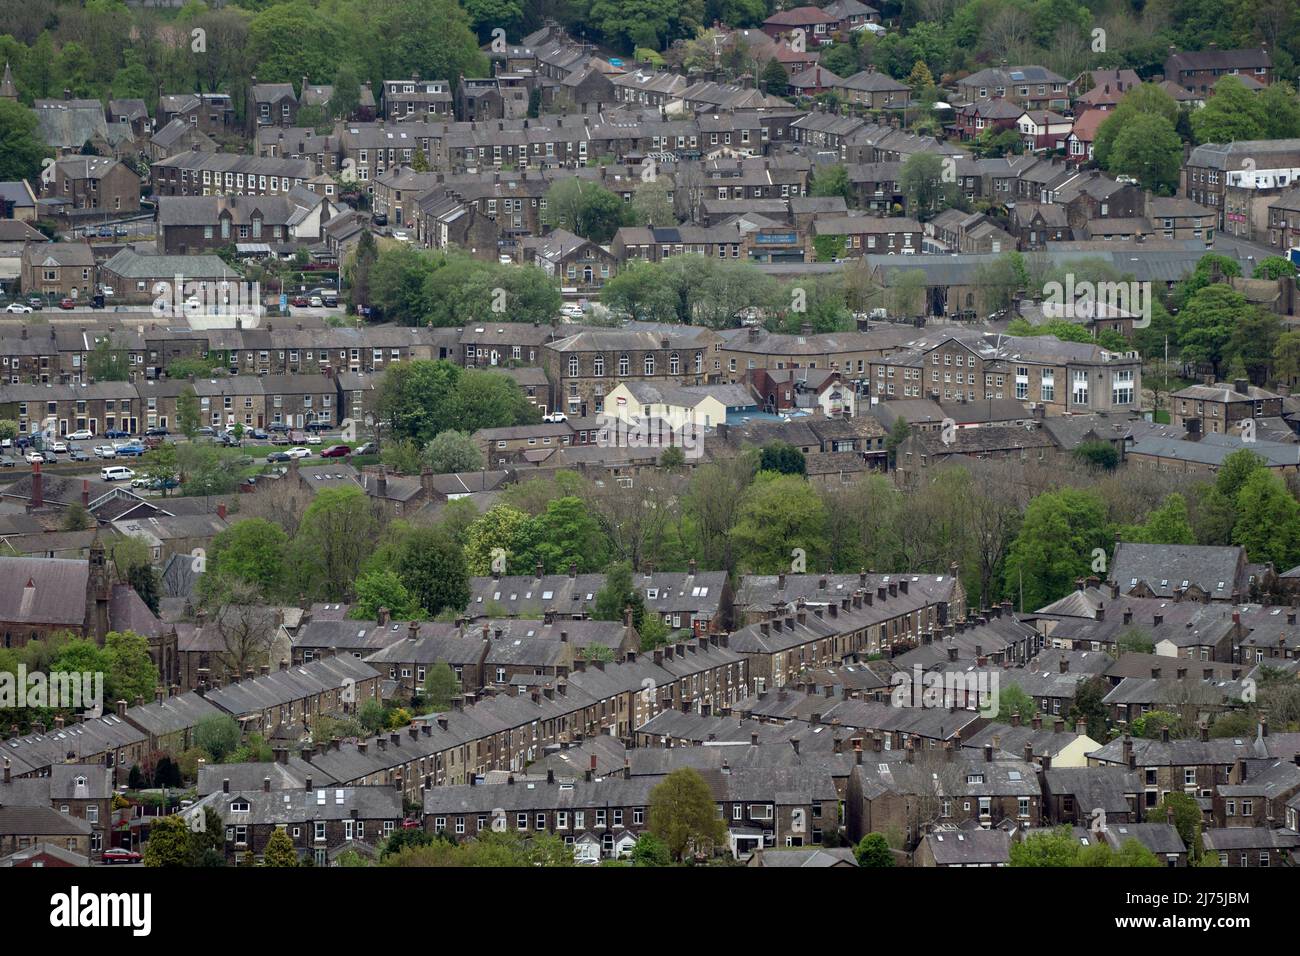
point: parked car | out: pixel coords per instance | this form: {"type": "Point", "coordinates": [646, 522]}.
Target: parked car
{"type": "Point", "coordinates": [206, 430]}
{"type": "Point", "coordinates": [130, 451]}
{"type": "Point", "coordinates": [79, 455]}
{"type": "Point", "coordinates": [8, 461]}
{"type": "Point", "coordinates": [313, 439]}
{"type": "Point", "coordinates": [116, 473]}
{"type": "Point", "coordinates": [316, 427]}
{"type": "Point", "coordinates": [66, 303]}
{"type": "Point", "coordinates": [336, 451]}
{"type": "Point", "coordinates": [369, 448]}
{"type": "Point", "coordinates": [379, 219]}
{"type": "Point", "coordinates": [116, 433]}
{"type": "Point", "coordinates": [331, 300]}
{"type": "Point", "coordinates": [121, 231]}
{"type": "Point", "coordinates": [49, 457]}
{"type": "Point", "coordinates": [316, 302]}
{"type": "Point", "coordinates": [299, 452]}
{"type": "Point", "coordinates": [104, 232]}
{"type": "Point", "coordinates": [258, 434]}
{"type": "Point", "coordinates": [300, 301]}
{"type": "Point", "coordinates": [156, 432]}
{"type": "Point", "coordinates": [81, 434]}
{"type": "Point", "coordinates": [279, 427]}
{"type": "Point", "coordinates": [277, 456]}
{"type": "Point", "coordinates": [105, 451]}
{"type": "Point", "coordinates": [555, 417]}
{"type": "Point", "coordinates": [35, 458]}
{"type": "Point", "coordinates": [58, 447]}
{"type": "Point", "coordinates": [36, 302]}
{"type": "Point", "coordinates": [17, 308]}
{"type": "Point", "coordinates": [119, 854]}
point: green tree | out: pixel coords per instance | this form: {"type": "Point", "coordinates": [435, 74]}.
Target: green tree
{"type": "Point", "coordinates": [684, 816]}
{"type": "Point", "coordinates": [453, 451]}
{"type": "Point", "coordinates": [922, 179]}
{"type": "Point", "coordinates": [251, 551]}
{"type": "Point", "coordinates": [1232, 113]}
{"type": "Point", "coordinates": [1012, 700]}
{"type": "Point", "coordinates": [131, 671]}
{"type": "Point", "coordinates": [337, 533]}
{"type": "Point", "coordinates": [107, 364]}
{"type": "Point", "coordinates": [169, 843]}
{"type": "Point", "coordinates": [652, 205]}
{"type": "Point", "coordinates": [1274, 267]}
{"type": "Point", "coordinates": [832, 181]}
{"type": "Point", "coordinates": [1149, 149]}
{"type": "Point", "coordinates": [1268, 522]}
{"type": "Point", "coordinates": [21, 147]}
{"type": "Point", "coordinates": [279, 850]}
{"type": "Point", "coordinates": [1055, 545]}
{"type": "Point", "coordinates": [898, 433]}
{"type": "Point", "coordinates": [584, 208]}
{"type": "Point", "coordinates": [566, 533]}
{"type": "Point", "coordinates": [77, 518]}
{"type": "Point", "coordinates": [1089, 706]}
{"type": "Point", "coordinates": [619, 594]}
{"type": "Point", "coordinates": [651, 851]}
{"type": "Point", "coordinates": [504, 528]}
{"type": "Point", "coordinates": [382, 588]}
{"type": "Point", "coordinates": [778, 514]}
{"type": "Point", "coordinates": [440, 686]}
{"type": "Point", "coordinates": [783, 458]}
{"type": "Point", "coordinates": [187, 412]}
{"type": "Point", "coordinates": [1167, 524]}
{"type": "Point", "coordinates": [432, 568]}
{"type": "Point", "coordinates": [218, 734]}
{"type": "Point", "coordinates": [1187, 820]}
{"type": "Point", "coordinates": [776, 81]}
{"type": "Point", "coordinates": [1098, 453]}
{"type": "Point", "coordinates": [873, 851]}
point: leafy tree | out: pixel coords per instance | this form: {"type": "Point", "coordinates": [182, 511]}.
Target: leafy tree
{"type": "Point", "coordinates": [1232, 113]}
{"type": "Point", "coordinates": [21, 147]}
{"type": "Point", "coordinates": [382, 588]}
{"type": "Point", "coordinates": [1149, 149]}
{"type": "Point", "coordinates": [1268, 523]}
{"type": "Point", "coordinates": [776, 81]}
{"type": "Point", "coordinates": [440, 686]}
{"type": "Point", "coordinates": [187, 412]}
{"type": "Point", "coordinates": [1146, 99]}
{"type": "Point", "coordinates": [584, 208]}
{"type": "Point", "coordinates": [107, 364]}
{"type": "Point", "coordinates": [1089, 706]}
{"type": "Point", "coordinates": [279, 850]}
{"type": "Point", "coordinates": [453, 451]}
{"type": "Point", "coordinates": [650, 851]}
{"type": "Point", "coordinates": [921, 179]}
{"type": "Point", "coordinates": [169, 843]}
{"type": "Point", "coordinates": [783, 458]}
{"type": "Point", "coordinates": [371, 715]}
{"type": "Point", "coordinates": [898, 433]}
{"type": "Point", "coordinates": [501, 527]}
{"type": "Point", "coordinates": [1098, 453]}
{"type": "Point", "coordinates": [432, 569]}
{"type": "Point", "coordinates": [1167, 524]}
{"type": "Point", "coordinates": [873, 851]}
{"type": "Point", "coordinates": [77, 518]}
{"type": "Point", "coordinates": [777, 514]}
{"type": "Point", "coordinates": [651, 205]}
{"type": "Point", "coordinates": [566, 534]}
{"type": "Point", "coordinates": [1187, 819]}
{"type": "Point", "coordinates": [218, 734]}
{"type": "Point", "coordinates": [250, 551]}
{"type": "Point", "coordinates": [1060, 531]}
{"type": "Point", "coordinates": [335, 536]}
{"type": "Point", "coordinates": [833, 181]}
{"type": "Point", "coordinates": [131, 671]}
{"type": "Point", "coordinates": [684, 815]}
{"type": "Point", "coordinates": [1013, 700]}
{"type": "Point", "coordinates": [1274, 267]}
{"type": "Point", "coordinates": [619, 594]}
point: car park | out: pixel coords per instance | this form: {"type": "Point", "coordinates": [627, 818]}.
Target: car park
{"type": "Point", "coordinates": [116, 473]}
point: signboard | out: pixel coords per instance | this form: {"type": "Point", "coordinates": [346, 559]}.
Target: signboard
{"type": "Point", "coordinates": [776, 238]}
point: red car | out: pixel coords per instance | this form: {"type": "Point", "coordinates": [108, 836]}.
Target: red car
{"type": "Point", "coordinates": [119, 854]}
{"type": "Point", "coordinates": [300, 301]}
{"type": "Point", "coordinates": [67, 304]}
{"type": "Point", "coordinates": [336, 451]}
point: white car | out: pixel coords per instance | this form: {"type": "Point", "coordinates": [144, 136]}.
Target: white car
{"type": "Point", "coordinates": [555, 417]}
{"type": "Point", "coordinates": [105, 451]}
{"type": "Point", "coordinates": [316, 302]}
{"type": "Point", "coordinates": [35, 457]}
{"type": "Point", "coordinates": [299, 452]}
{"type": "Point", "coordinates": [313, 439]}
{"type": "Point", "coordinates": [505, 260]}
{"type": "Point", "coordinates": [116, 473]}
{"type": "Point", "coordinates": [401, 236]}
{"type": "Point", "coordinates": [59, 447]}
{"type": "Point", "coordinates": [572, 311]}
{"type": "Point", "coordinates": [81, 434]}
{"type": "Point", "coordinates": [17, 308]}
{"type": "Point", "coordinates": [107, 290]}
